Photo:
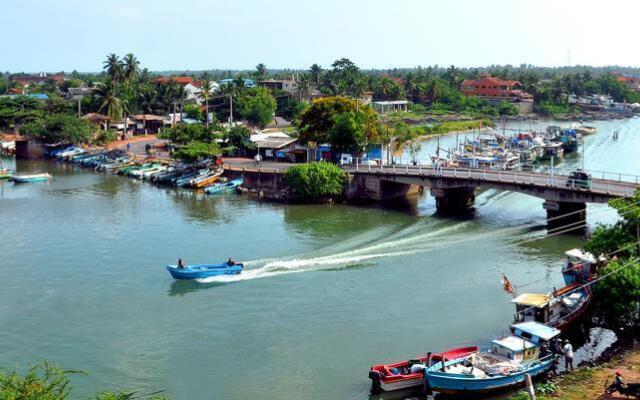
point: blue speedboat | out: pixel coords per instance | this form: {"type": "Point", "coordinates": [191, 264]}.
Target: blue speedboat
{"type": "Point", "coordinates": [504, 365]}
{"type": "Point", "coordinates": [198, 271]}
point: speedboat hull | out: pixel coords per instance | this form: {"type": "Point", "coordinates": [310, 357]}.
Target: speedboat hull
{"type": "Point", "coordinates": [31, 178]}
{"type": "Point", "coordinates": [199, 271]}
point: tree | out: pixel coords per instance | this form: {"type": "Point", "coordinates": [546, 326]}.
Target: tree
{"type": "Point", "coordinates": [347, 133]}
{"type": "Point", "coordinates": [452, 75]}
{"type": "Point", "coordinates": [193, 111]}
{"type": "Point", "coordinates": [619, 294]}
{"type": "Point", "coordinates": [238, 138]}
{"type": "Point", "coordinates": [110, 102]}
{"type": "Point", "coordinates": [257, 106]}
{"type": "Point", "coordinates": [195, 151]}
{"type": "Point", "coordinates": [59, 128]}
{"type": "Point", "coordinates": [183, 134]}
{"type": "Point", "coordinates": [130, 68]}
{"type": "Point", "coordinates": [317, 122]}
{"type": "Point", "coordinates": [316, 73]}
{"type": "Point", "coordinates": [261, 72]}
{"type": "Point", "coordinates": [316, 181]}
{"type": "Point", "coordinates": [113, 67]}
{"type": "Point", "coordinates": [205, 94]}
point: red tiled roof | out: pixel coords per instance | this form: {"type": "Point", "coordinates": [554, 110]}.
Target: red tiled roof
{"type": "Point", "coordinates": [182, 80]}
{"type": "Point", "coordinates": [197, 84]}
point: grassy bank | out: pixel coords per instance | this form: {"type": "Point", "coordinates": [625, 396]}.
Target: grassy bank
{"type": "Point", "coordinates": [443, 128]}
{"type": "Point", "coordinates": [588, 383]}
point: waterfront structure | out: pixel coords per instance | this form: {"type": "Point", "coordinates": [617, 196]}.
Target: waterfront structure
{"type": "Point", "coordinates": [496, 90]}
{"type": "Point", "coordinates": [384, 107]}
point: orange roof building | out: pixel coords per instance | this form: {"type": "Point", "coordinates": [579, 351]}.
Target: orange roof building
{"type": "Point", "coordinates": [491, 88]}
{"type": "Point", "coordinates": [181, 80]}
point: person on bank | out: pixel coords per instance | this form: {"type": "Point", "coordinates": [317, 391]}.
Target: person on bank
{"type": "Point", "coordinates": [567, 349]}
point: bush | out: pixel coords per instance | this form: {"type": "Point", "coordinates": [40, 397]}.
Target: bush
{"type": "Point", "coordinates": [59, 128]}
{"type": "Point", "coordinates": [195, 151]}
{"type": "Point", "coordinates": [105, 137]}
{"type": "Point", "coordinates": [316, 182]}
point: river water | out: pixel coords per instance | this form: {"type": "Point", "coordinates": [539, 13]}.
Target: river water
{"type": "Point", "coordinates": [328, 291]}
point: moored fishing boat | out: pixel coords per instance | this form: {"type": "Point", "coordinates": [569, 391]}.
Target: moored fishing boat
{"type": "Point", "coordinates": [584, 129]}
{"type": "Point", "coordinates": [409, 374]}
{"type": "Point", "coordinates": [504, 365]}
{"type": "Point", "coordinates": [207, 179]}
{"type": "Point", "coordinates": [31, 178]}
{"type": "Point", "coordinates": [223, 187]}
{"type": "Point", "coordinates": [581, 267]}
{"type": "Point", "coordinates": [558, 309]}
{"type": "Point", "coordinates": [199, 271]}
{"type": "Point", "coordinates": [552, 150]}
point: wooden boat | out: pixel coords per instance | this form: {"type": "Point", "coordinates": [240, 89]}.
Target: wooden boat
{"type": "Point", "coordinates": [584, 129]}
{"type": "Point", "coordinates": [207, 179]}
{"type": "Point", "coordinates": [223, 187]}
{"type": "Point", "coordinates": [198, 271]}
{"type": "Point", "coordinates": [399, 376]}
{"type": "Point", "coordinates": [31, 178]}
{"type": "Point", "coordinates": [5, 173]}
{"type": "Point", "coordinates": [552, 149]}
{"type": "Point", "coordinates": [581, 267]}
{"type": "Point", "coordinates": [504, 365]}
{"type": "Point", "coordinates": [558, 309]}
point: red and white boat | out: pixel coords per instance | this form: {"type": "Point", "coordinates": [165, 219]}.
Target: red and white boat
{"type": "Point", "coordinates": [398, 375]}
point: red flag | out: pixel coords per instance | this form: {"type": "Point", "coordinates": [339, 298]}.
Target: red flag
{"type": "Point", "coordinates": [506, 285]}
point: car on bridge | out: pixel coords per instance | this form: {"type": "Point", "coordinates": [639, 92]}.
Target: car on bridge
{"type": "Point", "coordinates": [579, 179]}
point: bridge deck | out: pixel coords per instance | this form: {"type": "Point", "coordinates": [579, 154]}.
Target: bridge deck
{"type": "Point", "coordinates": [602, 187]}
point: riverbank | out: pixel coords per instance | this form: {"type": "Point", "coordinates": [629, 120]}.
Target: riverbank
{"type": "Point", "coordinates": [588, 383]}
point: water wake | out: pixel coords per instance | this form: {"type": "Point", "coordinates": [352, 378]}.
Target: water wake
{"type": "Point", "coordinates": [417, 238]}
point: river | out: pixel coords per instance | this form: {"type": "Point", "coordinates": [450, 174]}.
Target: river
{"type": "Point", "coordinates": [328, 291]}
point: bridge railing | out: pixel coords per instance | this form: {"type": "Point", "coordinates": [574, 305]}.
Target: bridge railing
{"type": "Point", "coordinates": [549, 179]}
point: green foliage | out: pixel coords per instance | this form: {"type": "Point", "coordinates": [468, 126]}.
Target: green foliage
{"type": "Point", "coordinates": [291, 109]}
{"type": "Point", "coordinates": [257, 106]}
{"type": "Point", "coordinates": [417, 108]}
{"type": "Point", "coordinates": [193, 111]}
{"type": "Point", "coordinates": [59, 128]}
{"type": "Point", "coordinates": [105, 137]}
{"type": "Point", "coordinates": [316, 181]}
{"type": "Point", "coordinates": [507, 108]}
{"type": "Point", "coordinates": [317, 123]}
{"type": "Point", "coordinates": [238, 139]}
{"type": "Point", "coordinates": [42, 382]}
{"type": "Point", "coordinates": [195, 151]}
{"type": "Point", "coordinates": [619, 294]}
{"type": "Point", "coordinates": [185, 133]}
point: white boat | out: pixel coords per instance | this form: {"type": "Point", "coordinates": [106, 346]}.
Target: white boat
{"type": "Point", "coordinates": [27, 178]}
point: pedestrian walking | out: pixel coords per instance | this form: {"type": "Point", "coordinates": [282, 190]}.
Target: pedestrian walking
{"type": "Point", "coordinates": [567, 349]}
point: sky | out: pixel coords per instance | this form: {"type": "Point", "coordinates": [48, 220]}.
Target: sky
{"type": "Point", "coordinates": [55, 35]}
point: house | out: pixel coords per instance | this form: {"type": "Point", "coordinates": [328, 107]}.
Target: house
{"type": "Point", "coordinates": [496, 90]}
{"type": "Point", "coordinates": [98, 119]}
{"type": "Point", "coordinates": [632, 81]}
{"type": "Point", "coordinates": [78, 93]}
{"type": "Point", "coordinates": [286, 85]}
{"type": "Point", "coordinates": [145, 124]}
{"type": "Point", "coordinates": [43, 77]}
{"type": "Point", "coordinates": [180, 80]}
{"type": "Point", "coordinates": [275, 145]}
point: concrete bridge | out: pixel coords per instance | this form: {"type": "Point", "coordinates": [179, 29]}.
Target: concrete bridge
{"type": "Point", "coordinates": [454, 188]}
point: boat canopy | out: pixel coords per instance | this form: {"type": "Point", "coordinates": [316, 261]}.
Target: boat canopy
{"type": "Point", "coordinates": [532, 328]}
{"type": "Point", "coordinates": [532, 300]}
{"type": "Point", "coordinates": [514, 343]}
{"type": "Point", "coordinates": [581, 255]}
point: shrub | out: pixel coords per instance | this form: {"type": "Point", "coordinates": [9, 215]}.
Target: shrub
{"type": "Point", "coordinates": [105, 137]}
{"type": "Point", "coordinates": [315, 182]}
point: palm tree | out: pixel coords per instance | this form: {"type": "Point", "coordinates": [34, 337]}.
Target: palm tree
{"type": "Point", "coordinates": [261, 72]}
{"type": "Point", "coordinates": [316, 72]}
{"type": "Point", "coordinates": [453, 75]}
{"type": "Point", "coordinates": [130, 67]}
{"type": "Point", "coordinates": [304, 87]}
{"type": "Point", "coordinates": [113, 66]}
{"type": "Point", "coordinates": [205, 94]}
{"type": "Point", "coordinates": [110, 102]}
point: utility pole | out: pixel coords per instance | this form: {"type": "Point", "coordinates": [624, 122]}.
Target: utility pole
{"type": "Point", "coordinates": [173, 120]}
{"type": "Point", "coordinates": [79, 107]}
{"type": "Point", "coordinates": [230, 109]}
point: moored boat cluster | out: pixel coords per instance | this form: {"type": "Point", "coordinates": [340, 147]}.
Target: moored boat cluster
{"type": "Point", "coordinates": [206, 175]}
{"type": "Point", "coordinates": [531, 347]}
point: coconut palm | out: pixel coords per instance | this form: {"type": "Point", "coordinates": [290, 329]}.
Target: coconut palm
{"type": "Point", "coordinates": [304, 86]}
{"type": "Point", "coordinates": [205, 94]}
{"type": "Point", "coordinates": [110, 103]}
{"type": "Point", "coordinates": [316, 72]}
{"type": "Point", "coordinates": [130, 67]}
{"type": "Point", "coordinates": [261, 72]}
{"type": "Point", "coordinates": [113, 67]}
{"type": "Point", "coordinates": [453, 76]}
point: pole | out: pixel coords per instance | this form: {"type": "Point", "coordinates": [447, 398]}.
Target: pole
{"type": "Point", "coordinates": [530, 389]}
{"type": "Point", "coordinates": [230, 109]}
{"type": "Point", "coordinates": [79, 107]}
{"type": "Point", "coordinates": [551, 172]}
{"type": "Point", "coordinates": [173, 120]}
{"type": "Point", "coordinates": [582, 153]}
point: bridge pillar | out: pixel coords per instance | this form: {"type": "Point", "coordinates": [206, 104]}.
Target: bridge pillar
{"type": "Point", "coordinates": [565, 217]}
{"type": "Point", "coordinates": [452, 201]}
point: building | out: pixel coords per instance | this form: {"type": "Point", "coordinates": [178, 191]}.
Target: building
{"type": "Point", "coordinates": [180, 80]}
{"type": "Point", "coordinates": [286, 85]}
{"type": "Point", "coordinates": [632, 81]}
{"type": "Point", "coordinates": [250, 83]}
{"type": "Point", "coordinates": [77, 93]}
{"type": "Point", "coordinates": [383, 107]}
{"type": "Point", "coordinates": [496, 90]}
{"type": "Point", "coordinates": [275, 145]}
{"type": "Point", "coordinates": [145, 124]}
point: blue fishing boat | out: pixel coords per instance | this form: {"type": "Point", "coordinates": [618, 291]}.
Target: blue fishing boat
{"type": "Point", "coordinates": [31, 178]}
{"type": "Point", "coordinates": [223, 187]}
{"type": "Point", "coordinates": [503, 365]}
{"type": "Point", "coordinates": [198, 271]}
